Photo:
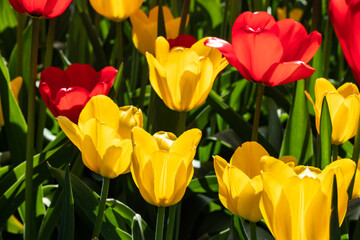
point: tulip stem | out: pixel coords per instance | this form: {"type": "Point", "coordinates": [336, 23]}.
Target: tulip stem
{"type": "Point", "coordinates": [161, 21]}
{"type": "Point", "coordinates": [119, 42]}
{"type": "Point", "coordinates": [355, 158]}
{"type": "Point", "coordinates": [260, 93]}
{"type": "Point", "coordinates": [184, 13]}
{"type": "Point", "coordinates": [30, 136]}
{"type": "Point", "coordinates": [99, 218]}
{"type": "Point", "coordinates": [181, 124]}
{"type": "Point", "coordinates": [335, 152]}
{"type": "Point", "coordinates": [253, 230]}
{"type": "Point", "coordinates": [160, 223]}
{"type": "Point", "coordinates": [171, 222]}
{"type": "Point", "coordinates": [20, 43]}
{"type": "Point", "coordinates": [47, 64]}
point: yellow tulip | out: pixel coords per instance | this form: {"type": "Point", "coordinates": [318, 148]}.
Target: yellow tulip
{"type": "Point", "coordinates": [240, 184]}
{"type": "Point", "coordinates": [162, 164]}
{"type": "Point", "coordinates": [144, 31]}
{"type": "Point", "coordinates": [183, 77]}
{"type": "Point", "coordinates": [15, 86]}
{"type": "Point", "coordinates": [103, 135]}
{"type": "Point", "coordinates": [344, 108]}
{"type": "Point", "coordinates": [356, 189]}
{"type": "Point", "coordinates": [295, 13]}
{"type": "Point", "coordinates": [296, 202]}
{"type": "Point", "coordinates": [116, 10]}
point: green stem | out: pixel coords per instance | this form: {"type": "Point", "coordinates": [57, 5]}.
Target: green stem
{"type": "Point", "coordinates": [174, 7]}
{"type": "Point", "coordinates": [119, 42]}
{"type": "Point", "coordinates": [181, 124]}
{"type": "Point", "coordinates": [143, 84]}
{"type": "Point", "coordinates": [315, 15]}
{"type": "Point", "coordinates": [184, 13]}
{"type": "Point", "coordinates": [99, 218]}
{"type": "Point", "coordinates": [260, 93]}
{"type": "Point", "coordinates": [223, 28]}
{"type": "Point", "coordinates": [171, 222]}
{"type": "Point", "coordinates": [355, 158]}
{"type": "Point", "coordinates": [253, 230]}
{"type": "Point", "coordinates": [177, 221]}
{"type": "Point", "coordinates": [335, 152]}
{"type": "Point", "coordinates": [160, 223]}
{"type": "Point", "coordinates": [47, 64]}
{"type": "Point", "coordinates": [30, 136]}
{"type": "Point", "coordinates": [161, 21]}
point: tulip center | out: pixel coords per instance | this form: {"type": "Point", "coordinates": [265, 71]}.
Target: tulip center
{"type": "Point", "coordinates": [307, 173]}
{"type": "Point", "coordinates": [252, 30]}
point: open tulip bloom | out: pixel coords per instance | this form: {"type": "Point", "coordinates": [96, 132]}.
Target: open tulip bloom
{"type": "Point", "coordinates": [103, 135]}
{"type": "Point", "coordinates": [66, 92]}
{"type": "Point", "coordinates": [116, 10]}
{"type": "Point", "coordinates": [344, 108]}
{"type": "Point", "coordinates": [269, 52]}
{"type": "Point", "coordinates": [296, 202]}
{"type": "Point", "coordinates": [183, 77]}
{"type": "Point", "coordinates": [43, 8]}
{"type": "Point", "coordinates": [162, 164]}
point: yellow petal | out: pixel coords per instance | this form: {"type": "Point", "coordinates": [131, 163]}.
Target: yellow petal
{"type": "Point", "coordinates": [290, 160]}
{"type": "Point", "coordinates": [247, 158]}
{"type": "Point", "coordinates": [356, 189]}
{"type": "Point", "coordinates": [162, 49]}
{"type": "Point", "coordinates": [276, 168]}
{"type": "Point", "coordinates": [129, 117]}
{"type": "Point", "coordinates": [101, 108]}
{"type": "Point", "coordinates": [71, 130]}
{"type": "Point", "coordinates": [281, 13]}
{"type": "Point", "coordinates": [144, 141]}
{"type": "Point", "coordinates": [322, 88]}
{"type": "Point", "coordinates": [296, 14]}
{"type": "Point", "coordinates": [116, 10]}
{"type": "Point", "coordinates": [164, 140]}
{"type": "Point", "coordinates": [187, 141]}
{"type": "Point", "coordinates": [15, 86]}
{"type": "Point", "coordinates": [348, 89]}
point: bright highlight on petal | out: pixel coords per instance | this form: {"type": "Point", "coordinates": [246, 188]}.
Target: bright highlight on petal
{"type": "Point", "coordinates": [183, 77]}
{"type": "Point", "coordinates": [162, 164]}
{"type": "Point", "coordinates": [344, 108]}
{"type": "Point", "coordinates": [101, 135]}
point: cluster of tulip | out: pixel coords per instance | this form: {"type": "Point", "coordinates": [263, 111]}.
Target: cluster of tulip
{"type": "Point", "coordinates": [295, 201]}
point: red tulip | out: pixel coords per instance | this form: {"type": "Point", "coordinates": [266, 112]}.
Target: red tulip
{"type": "Point", "coordinates": [67, 92]}
{"type": "Point", "coordinates": [269, 52]}
{"type": "Point", "coordinates": [41, 8]}
{"type": "Point", "coordinates": [345, 17]}
{"type": "Point", "coordinates": [182, 40]}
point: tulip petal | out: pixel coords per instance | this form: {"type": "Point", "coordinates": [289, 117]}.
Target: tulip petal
{"type": "Point", "coordinates": [107, 77]}
{"type": "Point", "coordinates": [117, 159]}
{"type": "Point", "coordinates": [129, 117]}
{"type": "Point", "coordinates": [162, 49]}
{"type": "Point", "coordinates": [82, 75]}
{"type": "Point", "coordinates": [71, 130]}
{"type": "Point", "coordinates": [348, 89]}
{"type": "Point", "coordinates": [186, 142]}
{"type": "Point", "coordinates": [54, 8]}
{"type": "Point", "coordinates": [276, 167]}
{"type": "Point", "coordinates": [322, 87]}
{"type": "Point", "coordinates": [17, 6]}
{"type": "Point", "coordinates": [51, 81]}
{"type": "Point", "coordinates": [247, 158]}
{"type": "Point", "coordinates": [227, 50]}
{"type": "Point", "coordinates": [287, 72]}
{"type": "Point", "coordinates": [143, 140]}
{"type": "Point", "coordinates": [101, 108]}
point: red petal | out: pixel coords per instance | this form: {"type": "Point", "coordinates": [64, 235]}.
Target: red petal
{"type": "Point", "coordinates": [45, 92]}
{"type": "Point", "coordinates": [17, 6]}
{"type": "Point", "coordinates": [34, 7]}
{"type": "Point", "coordinates": [297, 44]}
{"type": "Point", "coordinates": [55, 8]}
{"type": "Point", "coordinates": [282, 73]}
{"type": "Point", "coordinates": [55, 79]}
{"type": "Point", "coordinates": [256, 22]}
{"type": "Point", "coordinates": [182, 41]}
{"type": "Point", "coordinates": [71, 101]}
{"type": "Point", "coordinates": [227, 50]}
{"type": "Point", "coordinates": [82, 75]}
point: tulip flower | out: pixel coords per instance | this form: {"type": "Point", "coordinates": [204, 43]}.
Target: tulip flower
{"type": "Point", "coordinates": [66, 92]}
{"type": "Point", "coordinates": [116, 10]}
{"type": "Point", "coordinates": [44, 8]}
{"type": "Point", "coordinates": [103, 135]}
{"type": "Point", "coordinates": [15, 86]}
{"type": "Point", "coordinates": [182, 40]}
{"type": "Point", "coordinates": [344, 15]}
{"type": "Point", "coordinates": [162, 164]}
{"type": "Point", "coordinates": [296, 202]}
{"type": "Point", "coordinates": [344, 108]}
{"type": "Point", "coordinates": [144, 32]}
{"type": "Point", "coordinates": [356, 189]}
{"type": "Point", "coordinates": [240, 184]}
{"type": "Point", "coordinates": [269, 52]}
{"type": "Point", "coordinates": [183, 77]}
{"type": "Point", "coordinates": [295, 13]}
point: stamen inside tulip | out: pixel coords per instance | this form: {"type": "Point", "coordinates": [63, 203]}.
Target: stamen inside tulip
{"type": "Point", "coordinates": [307, 173]}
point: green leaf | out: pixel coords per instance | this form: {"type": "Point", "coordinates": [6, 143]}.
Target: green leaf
{"type": "Point", "coordinates": [223, 235]}
{"type": "Point", "coordinates": [66, 231]}
{"type": "Point", "coordinates": [325, 135]}
{"type": "Point", "coordinates": [87, 203]}
{"type": "Point", "coordinates": [214, 10]}
{"type": "Point", "coordinates": [334, 219]}
{"type": "Point", "coordinates": [204, 185]}
{"type": "Point", "coordinates": [297, 139]}
{"type": "Point", "coordinates": [137, 231]}
{"type": "Point", "coordinates": [237, 123]}
{"type": "Point", "coordinates": [238, 229]}
{"type": "Point", "coordinates": [7, 16]}
{"type": "Point", "coordinates": [15, 124]}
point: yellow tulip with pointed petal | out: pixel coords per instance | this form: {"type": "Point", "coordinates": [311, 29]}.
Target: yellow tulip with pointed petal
{"type": "Point", "coordinates": [296, 202]}
{"type": "Point", "coordinates": [295, 13]}
{"type": "Point", "coordinates": [240, 184]}
{"type": "Point", "coordinates": [145, 28]}
{"type": "Point", "coordinates": [15, 86]}
{"type": "Point", "coordinates": [183, 77]}
{"type": "Point", "coordinates": [162, 164]}
{"type": "Point", "coordinates": [103, 135]}
{"type": "Point", "coordinates": [116, 10]}
{"type": "Point", "coordinates": [344, 108]}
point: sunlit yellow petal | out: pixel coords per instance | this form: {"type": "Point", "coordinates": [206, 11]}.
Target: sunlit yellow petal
{"type": "Point", "coordinates": [71, 130]}
{"type": "Point", "coordinates": [129, 117]}
{"type": "Point", "coordinates": [144, 140]}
